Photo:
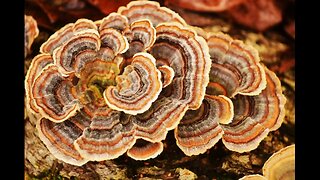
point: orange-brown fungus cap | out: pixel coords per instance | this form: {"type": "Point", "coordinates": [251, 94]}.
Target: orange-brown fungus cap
{"type": "Point", "coordinates": [52, 94]}
{"type": "Point", "coordinates": [137, 87]}
{"type": "Point", "coordinates": [31, 32]}
{"type": "Point", "coordinates": [187, 54]}
{"type": "Point", "coordinates": [144, 150]}
{"type": "Point", "coordinates": [199, 129]}
{"type": "Point", "coordinates": [114, 21]}
{"type": "Point", "coordinates": [59, 137]}
{"type": "Point", "coordinates": [281, 165]}
{"type": "Point", "coordinates": [255, 116]}
{"type": "Point", "coordinates": [151, 10]}
{"type": "Point", "coordinates": [163, 115]}
{"type": "Point", "coordinates": [65, 33]}
{"type": "Point", "coordinates": [65, 54]}
{"type": "Point", "coordinates": [113, 39]}
{"type": "Point", "coordinates": [141, 36]}
{"type": "Point", "coordinates": [235, 66]}
{"type": "Point", "coordinates": [111, 33]}
{"type": "Point", "coordinates": [37, 64]}
{"type": "Point", "coordinates": [108, 136]}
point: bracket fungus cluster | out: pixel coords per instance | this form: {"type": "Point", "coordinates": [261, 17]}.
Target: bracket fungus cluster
{"type": "Point", "coordinates": [243, 101]}
{"type": "Point", "coordinates": [118, 85]}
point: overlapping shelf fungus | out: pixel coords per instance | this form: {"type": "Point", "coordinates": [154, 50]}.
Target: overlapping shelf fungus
{"type": "Point", "coordinates": [118, 85]}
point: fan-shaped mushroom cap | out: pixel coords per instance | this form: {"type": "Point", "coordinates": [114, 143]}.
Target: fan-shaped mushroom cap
{"type": "Point", "coordinates": [187, 54]}
{"type": "Point", "coordinates": [37, 64]}
{"type": "Point", "coordinates": [255, 116]}
{"type": "Point", "coordinates": [31, 32]}
{"type": "Point", "coordinates": [108, 136]}
{"type": "Point", "coordinates": [144, 150]}
{"type": "Point", "coordinates": [141, 36]}
{"type": "Point", "coordinates": [281, 165]}
{"type": "Point", "coordinates": [199, 129]}
{"type": "Point", "coordinates": [136, 10]}
{"type": "Point", "coordinates": [223, 80]}
{"type": "Point", "coordinates": [235, 66]}
{"type": "Point", "coordinates": [137, 87]}
{"type": "Point", "coordinates": [164, 115]}
{"type": "Point", "coordinates": [64, 55]}
{"type": "Point", "coordinates": [110, 30]}
{"type": "Point", "coordinates": [244, 135]}
{"type": "Point", "coordinates": [53, 95]}
{"type": "Point", "coordinates": [114, 21]}
{"type": "Point", "coordinates": [114, 40]}
{"type": "Point", "coordinates": [65, 33]}
{"type": "Point", "coordinates": [59, 137]}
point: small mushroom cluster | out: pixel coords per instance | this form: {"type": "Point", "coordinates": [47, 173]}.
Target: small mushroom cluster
{"type": "Point", "coordinates": [118, 85]}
